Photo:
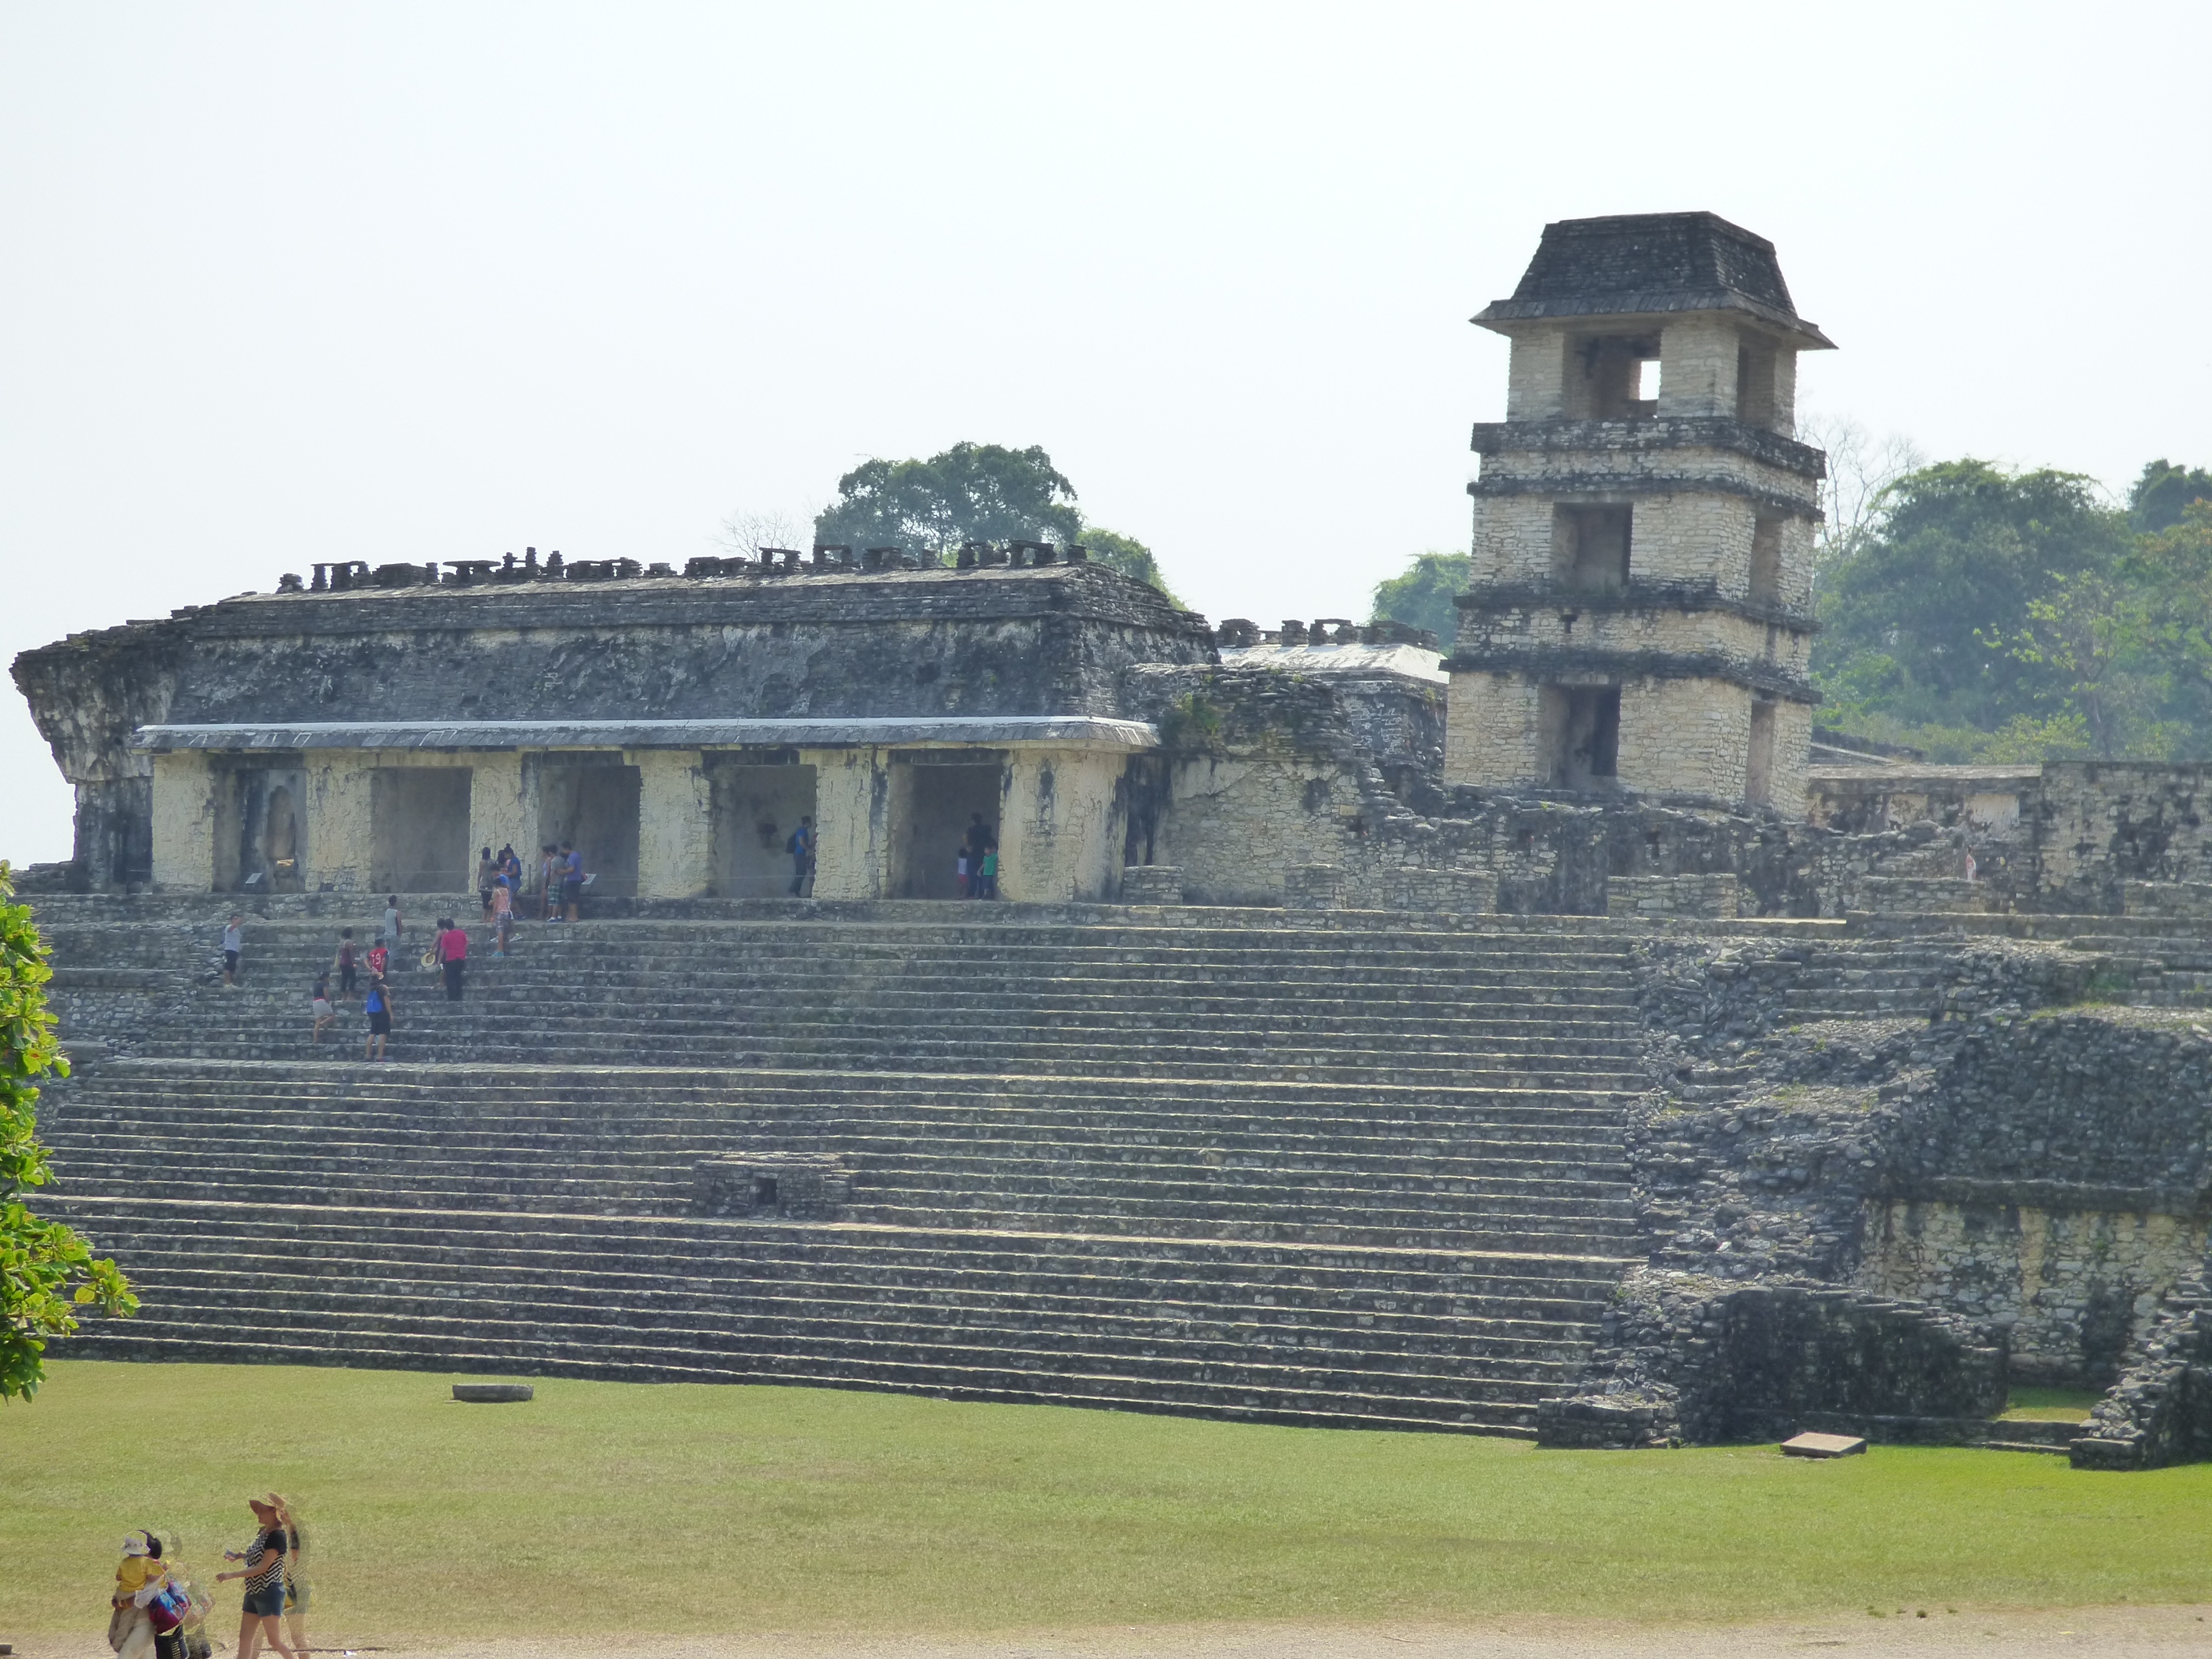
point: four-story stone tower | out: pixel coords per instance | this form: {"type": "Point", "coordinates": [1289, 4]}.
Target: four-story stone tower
{"type": "Point", "coordinates": [1639, 615]}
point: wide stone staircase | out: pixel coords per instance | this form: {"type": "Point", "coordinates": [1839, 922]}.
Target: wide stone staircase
{"type": "Point", "coordinates": [1347, 1174]}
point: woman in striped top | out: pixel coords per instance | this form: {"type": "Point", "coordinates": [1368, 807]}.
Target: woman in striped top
{"type": "Point", "coordinates": [263, 1573]}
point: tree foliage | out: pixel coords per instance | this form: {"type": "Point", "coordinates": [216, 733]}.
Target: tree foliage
{"type": "Point", "coordinates": [1992, 615]}
{"type": "Point", "coordinates": [2163, 493]}
{"type": "Point", "coordinates": [1126, 554]}
{"type": "Point", "coordinates": [972, 492]}
{"type": "Point", "coordinates": [1421, 596]}
{"type": "Point", "coordinates": [46, 1272]}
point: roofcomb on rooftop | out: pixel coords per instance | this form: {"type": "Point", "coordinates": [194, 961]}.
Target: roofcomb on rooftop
{"type": "Point", "coordinates": [1636, 263]}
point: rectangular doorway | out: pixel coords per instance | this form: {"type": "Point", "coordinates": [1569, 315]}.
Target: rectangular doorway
{"type": "Point", "coordinates": [756, 806]}
{"type": "Point", "coordinates": [1758, 759]}
{"type": "Point", "coordinates": [1579, 727]}
{"type": "Point", "coordinates": [418, 820]}
{"type": "Point", "coordinates": [933, 804]}
{"type": "Point", "coordinates": [260, 830]}
{"type": "Point", "coordinates": [593, 804]}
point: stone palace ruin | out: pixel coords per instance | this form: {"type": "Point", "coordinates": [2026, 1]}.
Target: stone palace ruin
{"type": "Point", "coordinates": [1562, 1037]}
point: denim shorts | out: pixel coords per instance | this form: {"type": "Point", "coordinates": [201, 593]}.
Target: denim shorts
{"type": "Point", "coordinates": [266, 1603]}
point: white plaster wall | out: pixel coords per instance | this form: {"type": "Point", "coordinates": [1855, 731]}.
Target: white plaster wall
{"type": "Point", "coordinates": [851, 858]}
{"type": "Point", "coordinates": [339, 838]}
{"type": "Point", "coordinates": [1062, 833]}
{"type": "Point", "coordinates": [498, 810]}
{"type": "Point", "coordinates": [675, 823]}
{"type": "Point", "coordinates": [183, 823]}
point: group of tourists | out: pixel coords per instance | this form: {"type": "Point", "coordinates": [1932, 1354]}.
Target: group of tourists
{"type": "Point", "coordinates": [498, 892]}
{"type": "Point", "coordinates": [159, 1610]}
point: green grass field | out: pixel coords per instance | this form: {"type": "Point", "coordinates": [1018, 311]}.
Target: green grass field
{"type": "Point", "coordinates": [600, 1507]}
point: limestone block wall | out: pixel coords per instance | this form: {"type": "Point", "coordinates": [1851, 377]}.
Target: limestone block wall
{"type": "Point", "coordinates": [1537, 375]}
{"type": "Point", "coordinates": [1492, 724]}
{"type": "Point", "coordinates": [1235, 824]}
{"type": "Point", "coordinates": [1793, 748]}
{"type": "Point", "coordinates": [1512, 540]}
{"type": "Point", "coordinates": [1698, 356]}
{"type": "Point", "coordinates": [1544, 637]}
{"type": "Point", "coordinates": [1638, 458]}
{"type": "Point", "coordinates": [2100, 825]}
{"type": "Point", "coordinates": [1687, 737]}
{"type": "Point", "coordinates": [183, 823]}
{"type": "Point", "coordinates": [2071, 1287]}
{"type": "Point", "coordinates": [1695, 540]}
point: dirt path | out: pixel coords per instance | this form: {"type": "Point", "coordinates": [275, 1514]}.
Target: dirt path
{"type": "Point", "coordinates": [2164, 1632]}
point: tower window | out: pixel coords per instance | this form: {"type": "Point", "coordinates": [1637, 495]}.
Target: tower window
{"type": "Point", "coordinates": [1589, 548]}
{"type": "Point", "coordinates": [1754, 384]}
{"type": "Point", "coordinates": [1606, 378]}
{"type": "Point", "coordinates": [1580, 731]}
{"type": "Point", "coordinates": [1765, 559]}
{"type": "Point", "coordinates": [1759, 762]}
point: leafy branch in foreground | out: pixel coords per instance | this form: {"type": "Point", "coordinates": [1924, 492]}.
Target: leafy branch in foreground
{"type": "Point", "coordinates": [46, 1272]}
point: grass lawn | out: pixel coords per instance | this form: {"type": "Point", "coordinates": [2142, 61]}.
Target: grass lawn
{"type": "Point", "coordinates": [604, 1506]}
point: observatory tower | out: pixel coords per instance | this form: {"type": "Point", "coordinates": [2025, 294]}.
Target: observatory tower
{"type": "Point", "coordinates": [1639, 615]}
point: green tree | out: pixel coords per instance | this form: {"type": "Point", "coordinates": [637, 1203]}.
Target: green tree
{"type": "Point", "coordinates": [2165, 493]}
{"type": "Point", "coordinates": [972, 492]}
{"type": "Point", "coordinates": [1422, 596]}
{"type": "Point", "coordinates": [1928, 605]}
{"type": "Point", "coordinates": [1126, 554]}
{"type": "Point", "coordinates": [46, 1270]}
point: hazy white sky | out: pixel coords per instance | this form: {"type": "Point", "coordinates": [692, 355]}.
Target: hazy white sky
{"type": "Point", "coordinates": [287, 284]}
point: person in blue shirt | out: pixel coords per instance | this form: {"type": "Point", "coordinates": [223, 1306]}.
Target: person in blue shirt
{"type": "Point", "coordinates": [378, 1005]}
{"type": "Point", "coordinates": [801, 849]}
{"type": "Point", "coordinates": [572, 878]}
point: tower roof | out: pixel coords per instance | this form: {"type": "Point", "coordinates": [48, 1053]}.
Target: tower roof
{"type": "Point", "coordinates": [1637, 264]}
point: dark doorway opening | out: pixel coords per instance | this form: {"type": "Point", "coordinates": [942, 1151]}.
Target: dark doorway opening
{"type": "Point", "coordinates": [933, 804]}
{"type": "Point", "coordinates": [260, 834]}
{"type": "Point", "coordinates": [1759, 762]}
{"type": "Point", "coordinates": [757, 803]}
{"type": "Point", "coordinates": [418, 818]}
{"type": "Point", "coordinates": [593, 803]}
{"type": "Point", "coordinates": [1591, 548]}
{"type": "Point", "coordinates": [1580, 728]}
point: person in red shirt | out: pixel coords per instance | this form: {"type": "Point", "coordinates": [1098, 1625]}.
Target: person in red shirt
{"type": "Point", "coordinates": [453, 954]}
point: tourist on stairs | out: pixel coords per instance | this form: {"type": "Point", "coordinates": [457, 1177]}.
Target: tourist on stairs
{"type": "Point", "coordinates": [485, 871]}
{"type": "Point", "coordinates": [453, 954]}
{"type": "Point", "coordinates": [378, 1005]}
{"type": "Point", "coordinates": [325, 1014]}
{"type": "Point", "coordinates": [503, 915]}
{"type": "Point", "coordinates": [572, 878]}
{"type": "Point", "coordinates": [343, 963]}
{"type": "Point", "coordinates": [233, 941]}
